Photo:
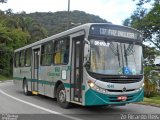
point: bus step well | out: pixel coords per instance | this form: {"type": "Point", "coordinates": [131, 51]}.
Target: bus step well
{"type": "Point", "coordinates": [34, 92]}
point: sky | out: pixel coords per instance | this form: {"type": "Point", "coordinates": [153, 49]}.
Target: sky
{"type": "Point", "coordinates": [115, 11]}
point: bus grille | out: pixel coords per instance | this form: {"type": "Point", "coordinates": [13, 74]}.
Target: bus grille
{"type": "Point", "coordinates": [130, 90]}
{"type": "Point", "coordinates": [120, 80]}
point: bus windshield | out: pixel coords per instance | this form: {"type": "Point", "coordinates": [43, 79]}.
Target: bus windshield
{"type": "Point", "coordinates": [115, 58]}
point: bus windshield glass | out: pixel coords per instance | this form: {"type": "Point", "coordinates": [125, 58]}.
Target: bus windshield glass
{"type": "Point", "coordinates": [115, 58]}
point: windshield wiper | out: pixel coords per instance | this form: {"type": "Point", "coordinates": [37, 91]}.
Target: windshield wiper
{"type": "Point", "coordinates": [129, 50]}
{"type": "Point", "coordinates": [118, 55]}
{"type": "Point", "coordinates": [115, 51]}
{"type": "Point", "coordinates": [125, 55]}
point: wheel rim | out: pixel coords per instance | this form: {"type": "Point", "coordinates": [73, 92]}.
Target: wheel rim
{"type": "Point", "coordinates": [62, 96]}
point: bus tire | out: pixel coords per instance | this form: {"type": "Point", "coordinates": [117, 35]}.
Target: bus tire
{"type": "Point", "coordinates": [61, 97]}
{"type": "Point", "coordinates": [25, 88]}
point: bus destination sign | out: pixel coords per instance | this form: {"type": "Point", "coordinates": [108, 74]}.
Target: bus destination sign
{"type": "Point", "coordinates": [117, 33]}
{"type": "Point", "coordinates": [109, 31]}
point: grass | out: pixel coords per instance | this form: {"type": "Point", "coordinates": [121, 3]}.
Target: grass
{"type": "Point", "coordinates": [2, 78]}
{"type": "Point", "coordinates": [155, 101]}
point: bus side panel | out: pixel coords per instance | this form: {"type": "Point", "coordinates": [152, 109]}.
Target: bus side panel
{"type": "Point", "coordinates": [19, 74]}
{"type": "Point", "coordinates": [16, 78]}
{"type": "Point", "coordinates": [27, 75]}
{"type": "Point", "coordinates": [48, 77]}
{"type": "Point", "coordinates": [45, 84]}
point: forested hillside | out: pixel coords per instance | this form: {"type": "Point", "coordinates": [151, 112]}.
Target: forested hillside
{"type": "Point", "coordinates": [20, 29]}
{"type": "Point", "coordinates": [57, 22]}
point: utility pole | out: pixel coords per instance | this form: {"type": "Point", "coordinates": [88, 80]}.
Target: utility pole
{"type": "Point", "coordinates": [68, 15]}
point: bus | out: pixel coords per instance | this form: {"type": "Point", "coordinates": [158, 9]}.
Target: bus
{"type": "Point", "coordinates": [92, 64]}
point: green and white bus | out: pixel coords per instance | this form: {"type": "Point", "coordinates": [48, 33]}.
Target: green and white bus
{"type": "Point", "coordinates": [92, 64]}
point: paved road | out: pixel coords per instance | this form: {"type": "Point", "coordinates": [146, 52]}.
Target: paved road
{"type": "Point", "coordinates": [14, 104]}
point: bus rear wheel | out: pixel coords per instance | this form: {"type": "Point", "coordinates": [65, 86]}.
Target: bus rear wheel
{"type": "Point", "coordinates": [61, 97]}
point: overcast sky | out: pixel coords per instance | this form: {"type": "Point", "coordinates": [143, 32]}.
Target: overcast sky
{"type": "Point", "coordinates": [114, 11]}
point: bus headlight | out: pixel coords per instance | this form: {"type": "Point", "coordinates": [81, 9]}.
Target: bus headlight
{"type": "Point", "coordinates": [96, 88]}
{"type": "Point", "coordinates": [91, 84]}
{"type": "Point", "coordinates": [143, 85]}
{"type": "Point", "coordinates": [139, 89]}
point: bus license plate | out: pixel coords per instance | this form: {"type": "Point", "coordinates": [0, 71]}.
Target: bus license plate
{"type": "Point", "coordinates": [122, 98]}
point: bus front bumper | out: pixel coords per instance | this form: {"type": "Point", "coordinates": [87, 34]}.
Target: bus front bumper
{"type": "Point", "coordinates": [94, 98]}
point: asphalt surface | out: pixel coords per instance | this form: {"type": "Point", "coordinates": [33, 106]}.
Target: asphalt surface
{"type": "Point", "coordinates": [14, 105]}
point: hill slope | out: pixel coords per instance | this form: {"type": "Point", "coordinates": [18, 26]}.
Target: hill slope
{"type": "Point", "coordinates": [57, 22]}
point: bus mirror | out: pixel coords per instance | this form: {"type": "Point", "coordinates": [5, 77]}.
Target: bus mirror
{"type": "Point", "coordinates": [86, 51]}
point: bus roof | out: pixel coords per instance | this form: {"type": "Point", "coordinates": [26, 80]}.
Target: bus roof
{"type": "Point", "coordinates": [85, 27]}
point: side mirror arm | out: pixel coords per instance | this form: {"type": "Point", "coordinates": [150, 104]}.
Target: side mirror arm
{"type": "Point", "coordinates": [86, 51]}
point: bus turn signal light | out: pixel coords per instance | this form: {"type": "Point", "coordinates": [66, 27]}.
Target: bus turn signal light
{"type": "Point", "coordinates": [91, 84]}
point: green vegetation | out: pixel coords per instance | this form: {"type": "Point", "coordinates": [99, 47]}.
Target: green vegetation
{"type": "Point", "coordinates": [148, 22]}
{"type": "Point", "coordinates": [2, 78]}
{"type": "Point", "coordinates": [150, 87]}
{"type": "Point", "coordinates": [57, 22]}
{"type": "Point", "coordinates": [20, 29]}
{"type": "Point", "coordinates": [15, 32]}
{"type": "Point", "coordinates": [3, 1]}
{"type": "Point", "coordinates": [155, 101]}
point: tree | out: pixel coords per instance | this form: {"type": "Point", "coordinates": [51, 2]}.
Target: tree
{"type": "Point", "coordinates": [3, 1]}
{"type": "Point", "coordinates": [150, 86]}
{"type": "Point", "coordinates": [57, 22]}
{"type": "Point", "coordinates": [11, 37]}
{"type": "Point", "coordinates": [147, 21]}
{"type": "Point", "coordinates": [36, 31]}
{"type": "Point", "coordinates": [149, 54]}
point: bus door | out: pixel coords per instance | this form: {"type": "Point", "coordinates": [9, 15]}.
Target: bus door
{"type": "Point", "coordinates": [35, 69]}
{"type": "Point", "coordinates": [77, 68]}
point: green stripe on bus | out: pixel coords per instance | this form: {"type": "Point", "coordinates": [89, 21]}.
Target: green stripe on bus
{"type": "Point", "coordinates": [66, 85]}
{"type": "Point", "coordinates": [17, 78]}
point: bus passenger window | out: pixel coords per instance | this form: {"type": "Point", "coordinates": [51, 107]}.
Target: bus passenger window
{"type": "Point", "coordinates": [46, 54]}
{"type": "Point", "coordinates": [61, 51]}
{"type": "Point", "coordinates": [16, 59]}
{"type": "Point", "coordinates": [28, 58]}
{"type": "Point", "coordinates": [66, 54]}
{"type": "Point", "coordinates": [21, 60]}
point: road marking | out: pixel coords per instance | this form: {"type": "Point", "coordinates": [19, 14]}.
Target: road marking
{"type": "Point", "coordinates": [39, 107]}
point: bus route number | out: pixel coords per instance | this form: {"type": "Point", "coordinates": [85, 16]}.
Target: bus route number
{"type": "Point", "coordinates": [110, 85]}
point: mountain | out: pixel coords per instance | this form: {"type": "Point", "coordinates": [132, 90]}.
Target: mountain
{"type": "Point", "coordinates": [57, 22]}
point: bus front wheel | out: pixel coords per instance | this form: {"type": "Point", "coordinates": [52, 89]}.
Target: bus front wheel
{"type": "Point", "coordinates": [61, 97]}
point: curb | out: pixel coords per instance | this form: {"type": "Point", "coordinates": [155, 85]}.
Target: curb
{"type": "Point", "coordinates": [6, 81]}
{"type": "Point", "coordinates": [149, 104]}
